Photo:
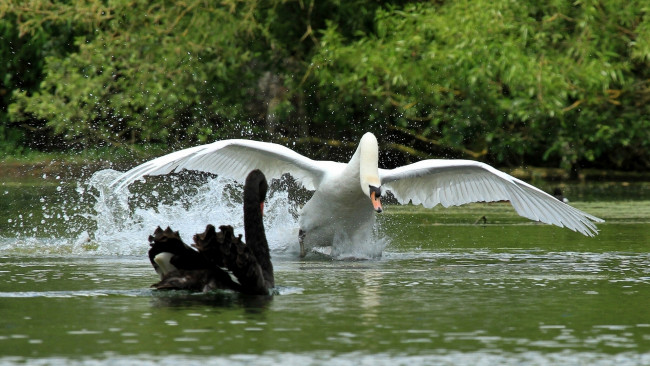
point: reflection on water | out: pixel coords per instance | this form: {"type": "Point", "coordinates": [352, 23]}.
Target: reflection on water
{"type": "Point", "coordinates": [370, 295]}
{"type": "Point", "coordinates": [183, 299]}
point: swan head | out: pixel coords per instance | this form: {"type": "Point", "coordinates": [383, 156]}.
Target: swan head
{"type": "Point", "coordinates": [375, 198]}
{"type": "Point", "coordinates": [369, 169]}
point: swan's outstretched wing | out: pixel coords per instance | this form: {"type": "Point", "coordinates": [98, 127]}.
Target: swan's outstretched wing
{"type": "Point", "coordinates": [233, 159]}
{"type": "Point", "coordinates": [455, 182]}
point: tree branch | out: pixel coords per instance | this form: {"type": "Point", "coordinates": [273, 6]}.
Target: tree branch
{"type": "Point", "coordinates": [463, 151]}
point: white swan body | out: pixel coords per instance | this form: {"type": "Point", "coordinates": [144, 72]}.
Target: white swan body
{"type": "Point", "coordinates": [342, 204]}
{"type": "Point", "coordinates": [346, 197]}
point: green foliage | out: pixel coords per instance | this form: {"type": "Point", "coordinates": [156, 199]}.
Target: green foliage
{"type": "Point", "coordinates": [20, 69]}
{"type": "Point", "coordinates": [511, 82]}
{"type": "Point", "coordinates": [147, 71]}
{"type": "Point", "coordinates": [508, 77]}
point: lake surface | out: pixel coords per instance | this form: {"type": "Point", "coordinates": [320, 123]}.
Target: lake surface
{"type": "Point", "coordinates": [74, 285]}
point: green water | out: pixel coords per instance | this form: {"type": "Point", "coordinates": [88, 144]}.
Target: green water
{"type": "Point", "coordinates": [446, 291]}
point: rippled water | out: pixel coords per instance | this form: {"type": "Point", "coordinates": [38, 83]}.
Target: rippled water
{"type": "Point", "coordinates": [445, 292]}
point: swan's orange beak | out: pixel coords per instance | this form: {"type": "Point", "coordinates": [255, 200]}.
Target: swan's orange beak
{"type": "Point", "coordinates": [376, 204]}
{"type": "Point", "coordinates": [262, 207]}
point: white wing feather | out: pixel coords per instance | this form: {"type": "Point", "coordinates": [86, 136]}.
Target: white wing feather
{"type": "Point", "coordinates": [233, 159]}
{"type": "Point", "coordinates": [456, 182]}
{"type": "Point", "coordinates": [428, 182]}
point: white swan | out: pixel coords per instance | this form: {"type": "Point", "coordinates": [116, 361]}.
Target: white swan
{"type": "Point", "coordinates": [347, 196]}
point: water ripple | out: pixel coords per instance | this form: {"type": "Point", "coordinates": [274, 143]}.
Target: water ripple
{"type": "Point", "coordinates": [72, 294]}
{"type": "Point", "coordinates": [565, 357]}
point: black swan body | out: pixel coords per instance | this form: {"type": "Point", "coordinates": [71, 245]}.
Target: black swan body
{"type": "Point", "coordinates": [207, 267]}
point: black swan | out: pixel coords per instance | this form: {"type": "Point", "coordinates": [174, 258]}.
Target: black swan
{"type": "Point", "coordinates": [207, 268]}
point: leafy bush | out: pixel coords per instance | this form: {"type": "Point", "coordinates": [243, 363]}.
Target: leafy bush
{"type": "Point", "coordinates": [522, 83]}
{"type": "Point", "coordinates": [509, 82]}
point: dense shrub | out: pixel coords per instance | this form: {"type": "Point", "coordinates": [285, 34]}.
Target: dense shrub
{"type": "Point", "coordinates": [510, 82]}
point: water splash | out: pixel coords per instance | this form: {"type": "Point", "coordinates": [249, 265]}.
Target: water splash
{"type": "Point", "coordinates": [366, 243]}
{"type": "Point", "coordinates": [125, 218]}
{"type": "Point", "coordinates": [89, 217]}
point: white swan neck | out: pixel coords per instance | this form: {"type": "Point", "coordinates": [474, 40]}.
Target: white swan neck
{"type": "Point", "coordinates": [368, 155]}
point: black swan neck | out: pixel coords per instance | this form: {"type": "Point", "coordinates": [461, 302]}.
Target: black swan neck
{"type": "Point", "coordinates": [254, 225]}
{"type": "Point", "coordinates": [254, 196]}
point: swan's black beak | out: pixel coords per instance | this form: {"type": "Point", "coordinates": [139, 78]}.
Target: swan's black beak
{"type": "Point", "coordinates": [376, 203]}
